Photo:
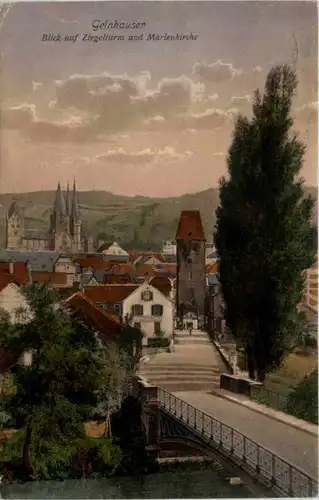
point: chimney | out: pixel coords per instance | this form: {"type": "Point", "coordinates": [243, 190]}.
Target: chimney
{"type": "Point", "coordinates": [11, 267]}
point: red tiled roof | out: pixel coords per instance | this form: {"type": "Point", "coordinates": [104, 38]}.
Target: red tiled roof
{"type": "Point", "coordinates": [107, 325]}
{"type": "Point", "coordinates": [162, 284]}
{"type": "Point", "coordinates": [109, 293]}
{"type": "Point", "coordinates": [121, 268]}
{"type": "Point", "coordinates": [211, 268]}
{"type": "Point", "coordinates": [94, 262]}
{"type": "Point", "coordinates": [150, 269]}
{"type": "Point", "coordinates": [117, 279]}
{"type": "Point", "coordinates": [97, 263]}
{"type": "Point", "coordinates": [20, 274]}
{"type": "Point", "coordinates": [46, 278]}
{"type": "Point", "coordinates": [190, 226]}
{"type": "Point", "coordinates": [135, 255]}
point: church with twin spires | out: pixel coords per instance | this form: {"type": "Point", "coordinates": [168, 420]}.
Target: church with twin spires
{"type": "Point", "coordinates": [65, 233]}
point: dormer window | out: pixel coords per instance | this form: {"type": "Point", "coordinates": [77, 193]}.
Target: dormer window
{"type": "Point", "coordinates": [147, 296]}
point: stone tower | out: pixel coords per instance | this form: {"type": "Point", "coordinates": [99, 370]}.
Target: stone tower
{"type": "Point", "coordinates": [75, 222]}
{"type": "Point", "coordinates": [14, 227]}
{"type": "Point", "coordinates": [190, 281]}
{"type": "Point", "coordinates": [60, 223]}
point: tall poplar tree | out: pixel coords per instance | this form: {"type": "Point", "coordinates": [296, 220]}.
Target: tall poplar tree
{"type": "Point", "coordinates": [264, 235]}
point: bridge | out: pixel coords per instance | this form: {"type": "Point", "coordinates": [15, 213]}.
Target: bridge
{"type": "Point", "coordinates": [169, 419]}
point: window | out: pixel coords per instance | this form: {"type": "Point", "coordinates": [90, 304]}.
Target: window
{"type": "Point", "coordinates": [137, 310]}
{"type": "Point", "coordinates": [157, 327]}
{"type": "Point", "coordinates": [157, 310]}
{"type": "Point", "coordinates": [196, 247]}
{"type": "Point", "coordinates": [137, 325]}
{"type": "Point", "coordinates": [147, 296]}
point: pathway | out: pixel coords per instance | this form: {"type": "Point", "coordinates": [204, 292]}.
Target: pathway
{"type": "Point", "coordinates": [293, 445]}
{"type": "Point", "coordinates": [195, 365]}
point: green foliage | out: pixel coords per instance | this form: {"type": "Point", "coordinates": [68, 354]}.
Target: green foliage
{"type": "Point", "coordinates": [117, 376]}
{"type": "Point", "coordinates": [12, 448]}
{"type": "Point", "coordinates": [264, 235]}
{"type": "Point", "coordinates": [59, 391]}
{"type": "Point", "coordinates": [157, 342]}
{"type": "Point", "coordinates": [303, 399]}
{"type": "Point", "coordinates": [128, 427]}
{"type": "Point", "coordinates": [97, 455]}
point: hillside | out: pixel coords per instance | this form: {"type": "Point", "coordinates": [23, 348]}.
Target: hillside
{"type": "Point", "coordinates": [134, 221]}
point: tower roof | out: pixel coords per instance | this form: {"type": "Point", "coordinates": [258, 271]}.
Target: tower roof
{"type": "Point", "coordinates": [68, 200]}
{"type": "Point", "coordinates": [59, 205]}
{"type": "Point", "coordinates": [14, 209]}
{"type": "Point", "coordinates": [190, 226]}
{"type": "Point", "coordinates": [75, 208]}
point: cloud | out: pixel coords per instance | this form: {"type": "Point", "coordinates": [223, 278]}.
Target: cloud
{"type": "Point", "coordinates": [216, 72]}
{"type": "Point", "coordinates": [220, 154]}
{"type": "Point", "coordinates": [145, 156]}
{"type": "Point", "coordinates": [36, 85]}
{"type": "Point", "coordinates": [210, 119]}
{"type": "Point", "coordinates": [241, 101]}
{"type": "Point", "coordinates": [93, 107]}
{"type": "Point", "coordinates": [18, 117]}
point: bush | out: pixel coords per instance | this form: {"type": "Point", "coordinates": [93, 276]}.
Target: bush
{"type": "Point", "coordinates": [158, 342]}
{"type": "Point", "coordinates": [303, 399]}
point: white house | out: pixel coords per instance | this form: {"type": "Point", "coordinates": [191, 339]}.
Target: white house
{"type": "Point", "coordinates": [65, 265]}
{"type": "Point", "coordinates": [144, 306]}
{"type": "Point", "coordinates": [169, 248]}
{"type": "Point", "coordinates": [13, 302]}
{"type": "Point", "coordinates": [115, 250]}
{"type": "Point", "coordinates": [150, 311]}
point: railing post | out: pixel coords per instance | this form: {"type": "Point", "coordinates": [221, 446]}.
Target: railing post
{"type": "Point", "coordinates": [273, 469]}
{"type": "Point", "coordinates": [258, 460]}
{"type": "Point", "coordinates": [310, 492]}
{"type": "Point", "coordinates": [181, 415]}
{"type": "Point", "coordinates": [220, 434]}
{"type": "Point", "coordinates": [203, 424]}
{"type": "Point", "coordinates": [245, 450]}
{"type": "Point", "coordinates": [195, 425]}
{"type": "Point", "coordinates": [290, 481]}
{"type": "Point", "coordinates": [232, 441]}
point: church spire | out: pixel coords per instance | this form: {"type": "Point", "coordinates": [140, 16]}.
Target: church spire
{"type": "Point", "coordinates": [68, 201]}
{"type": "Point", "coordinates": [75, 209]}
{"type": "Point", "coordinates": [59, 206]}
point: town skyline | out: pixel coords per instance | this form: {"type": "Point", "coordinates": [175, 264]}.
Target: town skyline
{"type": "Point", "coordinates": [121, 118]}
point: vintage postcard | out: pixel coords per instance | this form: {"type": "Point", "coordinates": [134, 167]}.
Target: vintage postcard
{"type": "Point", "coordinates": [158, 249]}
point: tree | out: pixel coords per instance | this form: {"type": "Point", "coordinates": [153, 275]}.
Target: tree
{"type": "Point", "coordinates": [303, 399]}
{"type": "Point", "coordinates": [58, 392]}
{"type": "Point", "coordinates": [118, 378]}
{"type": "Point", "coordinates": [264, 236]}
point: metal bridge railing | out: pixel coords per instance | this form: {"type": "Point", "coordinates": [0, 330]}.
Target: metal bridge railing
{"type": "Point", "coordinates": [270, 398]}
{"type": "Point", "coordinates": [268, 468]}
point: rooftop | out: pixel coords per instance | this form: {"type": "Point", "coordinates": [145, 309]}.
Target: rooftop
{"type": "Point", "coordinates": [190, 226]}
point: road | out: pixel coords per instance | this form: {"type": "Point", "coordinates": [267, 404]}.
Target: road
{"type": "Point", "coordinates": [295, 446]}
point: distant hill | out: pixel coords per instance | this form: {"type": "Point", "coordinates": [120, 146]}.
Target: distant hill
{"type": "Point", "coordinates": [137, 221]}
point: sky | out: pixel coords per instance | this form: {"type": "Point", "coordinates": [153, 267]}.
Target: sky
{"type": "Point", "coordinates": [146, 117]}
